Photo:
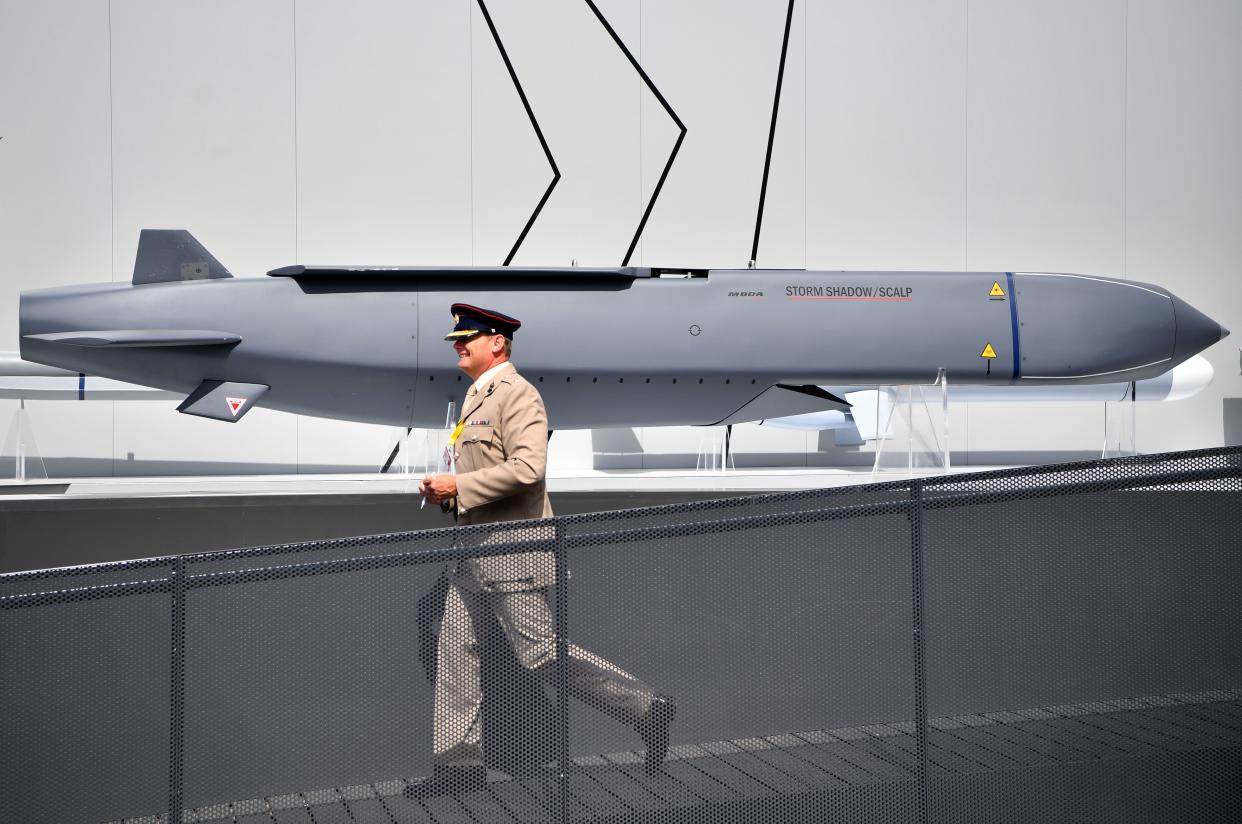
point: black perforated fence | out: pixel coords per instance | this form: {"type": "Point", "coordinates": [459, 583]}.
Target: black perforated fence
{"type": "Point", "coordinates": [1054, 643]}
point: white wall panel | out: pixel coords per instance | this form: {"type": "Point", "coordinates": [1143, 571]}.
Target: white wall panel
{"type": "Point", "coordinates": [716, 64]}
{"type": "Point", "coordinates": [152, 438]}
{"type": "Point", "coordinates": [203, 140]}
{"type": "Point", "coordinates": [1046, 137]}
{"type": "Point", "coordinates": [753, 445]}
{"type": "Point", "coordinates": [383, 132]}
{"type": "Point", "coordinates": [571, 450]}
{"type": "Point", "coordinates": [74, 439]}
{"type": "Point", "coordinates": [55, 193]}
{"type": "Point", "coordinates": [509, 171]}
{"type": "Point", "coordinates": [1185, 194]}
{"type": "Point", "coordinates": [584, 95]}
{"type": "Point", "coordinates": [885, 130]}
{"type": "Point", "coordinates": [325, 445]}
{"type": "Point", "coordinates": [55, 198]}
{"type": "Point", "coordinates": [203, 128]}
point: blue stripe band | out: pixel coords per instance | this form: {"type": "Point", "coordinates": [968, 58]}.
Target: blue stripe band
{"type": "Point", "coordinates": [1013, 320]}
{"type": "Point", "coordinates": [81, 386]}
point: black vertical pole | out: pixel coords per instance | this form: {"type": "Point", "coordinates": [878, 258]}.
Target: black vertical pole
{"type": "Point", "coordinates": [920, 652]}
{"type": "Point", "coordinates": [562, 672]}
{"type": "Point", "coordinates": [767, 160]}
{"type": "Point", "coordinates": [176, 726]}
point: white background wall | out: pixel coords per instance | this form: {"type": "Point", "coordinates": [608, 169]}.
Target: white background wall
{"type": "Point", "coordinates": [1093, 136]}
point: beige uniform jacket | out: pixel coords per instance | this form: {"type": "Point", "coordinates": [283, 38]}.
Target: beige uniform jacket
{"type": "Point", "coordinates": [501, 457]}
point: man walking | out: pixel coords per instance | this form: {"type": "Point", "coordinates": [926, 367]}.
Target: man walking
{"type": "Point", "coordinates": [499, 451]}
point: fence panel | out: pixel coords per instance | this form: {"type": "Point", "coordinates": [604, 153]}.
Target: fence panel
{"type": "Point", "coordinates": [84, 708]}
{"type": "Point", "coordinates": [1069, 634]}
{"type": "Point", "coordinates": [786, 643]}
{"type": "Point", "coordinates": [1070, 615]}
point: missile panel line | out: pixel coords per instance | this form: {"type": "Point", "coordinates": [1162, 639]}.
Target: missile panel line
{"type": "Point", "coordinates": [1096, 374]}
{"type": "Point", "coordinates": [456, 272]}
{"type": "Point", "coordinates": [1091, 277]}
{"type": "Point", "coordinates": [1013, 321]}
{"type": "Point", "coordinates": [667, 108]}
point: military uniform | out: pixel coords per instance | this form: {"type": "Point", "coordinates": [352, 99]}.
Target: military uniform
{"type": "Point", "coordinates": [500, 456]}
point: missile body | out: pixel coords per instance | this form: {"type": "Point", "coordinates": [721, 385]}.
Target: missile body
{"type": "Point", "coordinates": [605, 347]}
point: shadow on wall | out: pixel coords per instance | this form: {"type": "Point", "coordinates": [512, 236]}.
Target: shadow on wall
{"type": "Point", "coordinates": [1232, 411]}
{"type": "Point", "coordinates": [616, 449]}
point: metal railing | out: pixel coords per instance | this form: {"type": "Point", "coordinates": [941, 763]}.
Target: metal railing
{"type": "Point", "coordinates": [766, 531]}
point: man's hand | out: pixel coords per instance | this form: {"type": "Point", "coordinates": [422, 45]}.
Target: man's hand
{"type": "Point", "coordinates": [438, 488]}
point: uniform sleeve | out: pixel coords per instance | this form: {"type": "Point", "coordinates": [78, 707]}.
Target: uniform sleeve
{"type": "Point", "coordinates": [523, 432]}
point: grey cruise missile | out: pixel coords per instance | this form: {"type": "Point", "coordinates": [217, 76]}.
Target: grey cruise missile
{"type": "Point", "coordinates": [628, 346]}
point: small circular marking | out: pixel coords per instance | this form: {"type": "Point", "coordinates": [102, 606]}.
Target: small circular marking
{"type": "Point", "coordinates": [695, 329]}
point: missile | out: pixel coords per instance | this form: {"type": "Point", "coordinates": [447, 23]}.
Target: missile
{"type": "Point", "coordinates": [627, 346]}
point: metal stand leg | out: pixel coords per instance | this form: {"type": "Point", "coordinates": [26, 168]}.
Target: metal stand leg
{"type": "Point", "coordinates": [913, 436]}
{"type": "Point", "coordinates": [20, 443]}
{"type": "Point", "coordinates": [1120, 437]}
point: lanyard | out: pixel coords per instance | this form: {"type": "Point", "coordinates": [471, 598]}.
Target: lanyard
{"type": "Point", "coordinates": [457, 432]}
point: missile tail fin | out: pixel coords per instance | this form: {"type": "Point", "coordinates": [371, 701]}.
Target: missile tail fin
{"type": "Point", "coordinates": [172, 255]}
{"type": "Point", "coordinates": [222, 400]}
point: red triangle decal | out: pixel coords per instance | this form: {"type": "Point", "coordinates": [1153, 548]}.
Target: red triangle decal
{"type": "Point", "coordinates": [235, 404]}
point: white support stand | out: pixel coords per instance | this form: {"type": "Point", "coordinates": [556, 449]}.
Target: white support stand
{"type": "Point", "coordinates": [20, 443]}
{"type": "Point", "coordinates": [422, 450]}
{"type": "Point", "coordinates": [1120, 431]}
{"type": "Point", "coordinates": [915, 437]}
{"type": "Point", "coordinates": [715, 452]}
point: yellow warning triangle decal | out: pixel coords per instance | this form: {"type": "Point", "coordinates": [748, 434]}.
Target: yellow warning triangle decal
{"type": "Point", "coordinates": [997, 291]}
{"type": "Point", "coordinates": [988, 352]}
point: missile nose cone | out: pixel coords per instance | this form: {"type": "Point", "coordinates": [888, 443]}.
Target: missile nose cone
{"type": "Point", "coordinates": [1195, 331]}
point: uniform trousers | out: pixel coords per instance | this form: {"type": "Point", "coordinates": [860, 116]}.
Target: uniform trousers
{"type": "Point", "coordinates": [526, 618]}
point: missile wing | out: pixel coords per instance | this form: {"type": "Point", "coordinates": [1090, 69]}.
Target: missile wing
{"type": "Point", "coordinates": [630, 346]}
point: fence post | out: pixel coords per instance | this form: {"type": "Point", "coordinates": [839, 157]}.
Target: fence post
{"type": "Point", "coordinates": [176, 726]}
{"type": "Point", "coordinates": [920, 652]}
{"type": "Point", "coordinates": [562, 672]}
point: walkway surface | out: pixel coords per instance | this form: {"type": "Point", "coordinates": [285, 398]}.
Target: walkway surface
{"type": "Point", "coordinates": [802, 775]}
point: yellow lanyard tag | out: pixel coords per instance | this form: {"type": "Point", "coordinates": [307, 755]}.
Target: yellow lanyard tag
{"type": "Point", "coordinates": [457, 432]}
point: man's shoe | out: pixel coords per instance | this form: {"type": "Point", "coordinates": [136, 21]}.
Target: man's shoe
{"type": "Point", "coordinates": [653, 729]}
{"type": "Point", "coordinates": [448, 780]}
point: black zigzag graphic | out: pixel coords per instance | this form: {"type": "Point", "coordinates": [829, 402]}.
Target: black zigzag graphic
{"type": "Point", "coordinates": [556, 173]}
{"type": "Point", "coordinates": [680, 137]}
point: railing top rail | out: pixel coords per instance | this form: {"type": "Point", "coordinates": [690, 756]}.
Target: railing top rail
{"type": "Point", "coordinates": [451, 543]}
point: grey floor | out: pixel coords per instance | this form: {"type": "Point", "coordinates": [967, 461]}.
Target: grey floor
{"type": "Point", "coordinates": [1191, 741]}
